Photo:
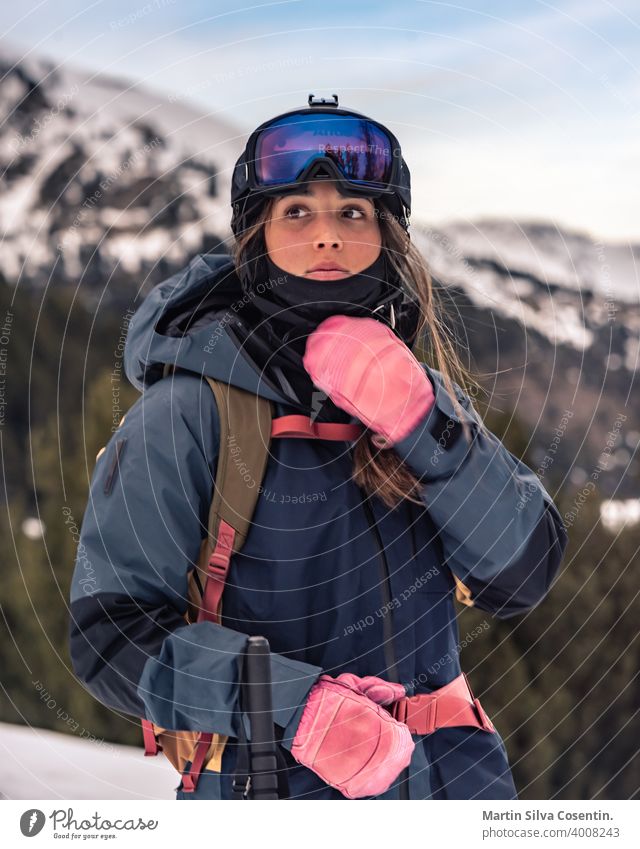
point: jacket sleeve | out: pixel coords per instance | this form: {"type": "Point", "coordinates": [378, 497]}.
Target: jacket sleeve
{"type": "Point", "coordinates": [147, 513]}
{"type": "Point", "coordinates": [502, 535]}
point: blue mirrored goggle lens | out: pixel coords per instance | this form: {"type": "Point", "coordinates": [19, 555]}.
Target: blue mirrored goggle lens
{"type": "Point", "coordinates": [361, 151]}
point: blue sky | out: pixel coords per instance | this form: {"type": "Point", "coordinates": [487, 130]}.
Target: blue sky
{"type": "Point", "coordinates": [529, 110]}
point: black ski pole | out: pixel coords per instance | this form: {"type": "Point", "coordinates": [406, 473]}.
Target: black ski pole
{"type": "Point", "coordinates": [264, 764]}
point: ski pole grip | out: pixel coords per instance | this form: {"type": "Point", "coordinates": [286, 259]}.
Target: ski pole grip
{"type": "Point", "coordinates": [260, 709]}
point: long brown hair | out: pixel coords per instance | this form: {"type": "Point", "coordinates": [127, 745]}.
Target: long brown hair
{"type": "Point", "coordinates": [377, 471]}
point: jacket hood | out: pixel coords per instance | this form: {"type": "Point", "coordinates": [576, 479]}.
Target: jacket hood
{"type": "Point", "coordinates": [185, 321]}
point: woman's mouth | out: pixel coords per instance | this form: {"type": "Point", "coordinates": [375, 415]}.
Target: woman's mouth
{"type": "Point", "coordinates": [329, 273]}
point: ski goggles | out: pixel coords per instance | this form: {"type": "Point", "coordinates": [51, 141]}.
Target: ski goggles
{"type": "Point", "coordinates": [290, 149]}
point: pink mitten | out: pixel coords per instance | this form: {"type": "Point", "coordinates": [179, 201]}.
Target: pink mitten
{"type": "Point", "coordinates": [377, 689]}
{"type": "Point", "coordinates": [351, 742]}
{"type": "Point", "coordinates": [368, 371]}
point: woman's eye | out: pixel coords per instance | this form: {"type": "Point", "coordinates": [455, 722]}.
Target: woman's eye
{"type": "Point", "coordinates": [293, 209]}
{"type": "Point", "coordinates": [356, 209]}
{"type": "Point", "coordinates": [354, 213]}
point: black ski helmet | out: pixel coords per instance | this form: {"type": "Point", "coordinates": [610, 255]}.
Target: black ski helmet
{"type": "Point", "coordinates": [247, 198]}
{"type": "Point", "coordinates": [399, 309]}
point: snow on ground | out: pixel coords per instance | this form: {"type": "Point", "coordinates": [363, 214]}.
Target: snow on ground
{"type": "Point", "coordinates": [618, 514]}
{"type": "Point", "coordinates": [39, 764]}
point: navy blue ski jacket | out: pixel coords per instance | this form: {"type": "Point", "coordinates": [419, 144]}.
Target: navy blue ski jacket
{"type": "Point", "coordinates": [335, 583]}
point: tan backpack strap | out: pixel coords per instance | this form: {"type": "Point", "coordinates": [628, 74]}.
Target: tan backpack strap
{"type": "Point", "coordinates": [245, 436]}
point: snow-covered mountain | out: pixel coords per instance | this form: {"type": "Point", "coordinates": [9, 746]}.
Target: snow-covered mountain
{"type": "Point", "coordinates": [565, 285]}
{"type": "Point", "coordinates": [101, 176]}
{"type": "Point", "coordinates": [109, 187]}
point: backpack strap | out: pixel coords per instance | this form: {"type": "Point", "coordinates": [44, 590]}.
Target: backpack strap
{"type": "Point", "coordinates": [151, 744]}
{"type": "Point", "coordinates": [190, 778]}
{"type": "Point", "coordinates": [302, 426]}
{"type": "Point", "coordinates": [245, 435]}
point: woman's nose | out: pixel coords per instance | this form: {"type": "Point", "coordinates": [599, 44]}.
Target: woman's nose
{"type": "Point", "coordinates": [327, 233]}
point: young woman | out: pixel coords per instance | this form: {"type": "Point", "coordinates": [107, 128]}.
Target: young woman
{"type": "Point", "coordinates": [358, 545]}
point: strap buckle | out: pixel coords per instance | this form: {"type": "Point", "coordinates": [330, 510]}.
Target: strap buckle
{"type": "Point", "coordinates": [398, 709]}
{"type": "Point", "coordinates": [241, 789]}
{"type": "Point", "coordinates": [219, 563]}
{"type": "Point", "coordinates": [417, 712]}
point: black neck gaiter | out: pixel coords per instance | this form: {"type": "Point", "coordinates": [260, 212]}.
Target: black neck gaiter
{"type": "Point", "coordinates": [287, 308]}
{"type": "Point", "coordinates": [299, 304]}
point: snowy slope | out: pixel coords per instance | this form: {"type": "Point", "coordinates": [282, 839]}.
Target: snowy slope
{"type": "Point", "coordinates": [39, 764]}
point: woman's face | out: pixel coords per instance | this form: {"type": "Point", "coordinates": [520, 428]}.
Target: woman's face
{"type": "Point", "coordinates": [318, 226]}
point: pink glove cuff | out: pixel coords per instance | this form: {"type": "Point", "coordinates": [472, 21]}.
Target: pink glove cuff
{"type": "Point", "coordinates": [377, 689]}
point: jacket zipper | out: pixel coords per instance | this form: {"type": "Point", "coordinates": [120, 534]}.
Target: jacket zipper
{"type": "Point", "coordinates": [389, 652]}
{"type": "Point", "coordinates": [387, 621]}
